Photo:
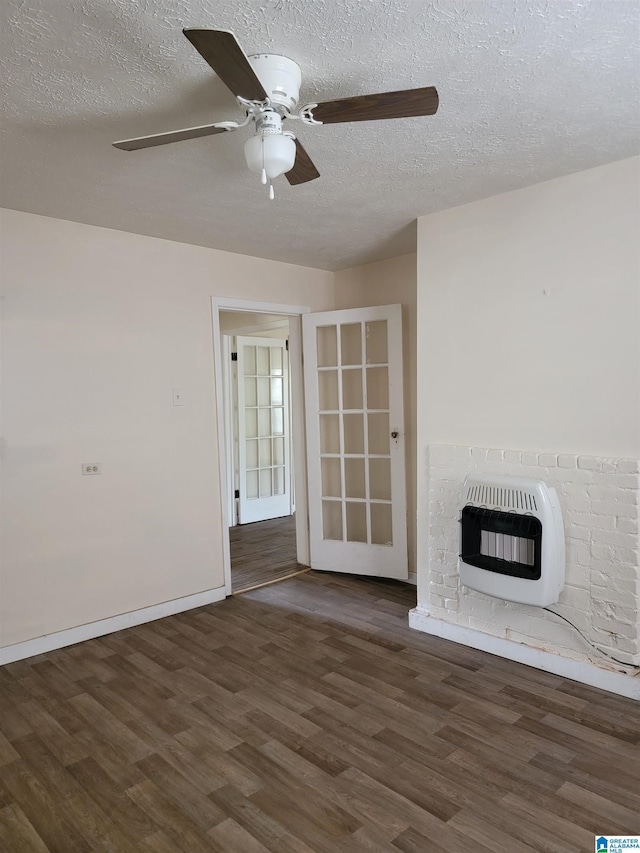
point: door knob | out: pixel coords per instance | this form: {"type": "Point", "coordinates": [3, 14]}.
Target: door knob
{"type": "Point", "coordinates": [395, 433]}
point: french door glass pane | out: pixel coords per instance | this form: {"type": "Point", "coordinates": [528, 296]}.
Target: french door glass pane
{"type": "Point", "coordinates": [380, 479]}
{"type": "Point", "coordinates": [351, 344]}
{"type": "Point", "coordinates": [331, 478]}
{"type": "Point", "coordinates": [276, 361]}
{"type": "Point", "coordinates": [264, 422]}
{"type": "Point", "coordinates": [278, 451]}
{"type": "Point", "coordinates": [277, 421]}
{"type": "Point", "coordinates": [378, 432]}
{"type": "Point", "coordinates": [264, 397]}
{"type": "Point", "coordinates": [328, 390]}
{"type": "Point", "coordinates": [381, 525]}
{"type": "Point", "coordinates": [354, 478]}
{"type": "Point", "coordinates": [250, 393]}
{"type": "Point", "coordinates": [265, 483]}
{"type": "Point", "coordinates": [332, 520]}
{"type": "Point", "coordinates": [276, 392]}
{"type": "Point", "coordinates": [252, 485]}
{"type": "Point", "coordinates": [356, 522]}
{"type": "Point", "coordinates": [376, 337]}
{"type": "Point", "coordinates": [377, 388]}
{"type": "Point", "coordinates": [327, 342]}
{"type": "Point", "coordinates": [352, 388]}
{"type": "Point", "coordinates": [249, 361]}
{"type": "Point", "coordinates": [278, 481]}
{"type": "Point", "coordinates": [353, 433]}
{"type": "Point", "coordinates": [262, 361]}
{"type": "Point", "coordinates": [330, 434]}
{"type": "Point", "coordinates": [265, 452]}
{"type": "Point", "coordinates": [251, 423]}
{"type": "Point", "coordinates": [252, 453]}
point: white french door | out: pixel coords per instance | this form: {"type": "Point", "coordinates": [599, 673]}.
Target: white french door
{"type": "Point", "coordinates": [355, 441]}
{"type": "Point", "coordinates": [263, 429]}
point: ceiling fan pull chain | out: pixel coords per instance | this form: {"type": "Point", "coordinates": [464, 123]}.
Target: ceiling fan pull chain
{"type": "Point", "coordinates": [263, 177]}
{"type": "Point", "coordinates": [272, 195]}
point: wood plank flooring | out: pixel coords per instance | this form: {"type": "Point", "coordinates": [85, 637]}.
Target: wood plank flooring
{"type": "Point", "coordinates": [263, 552]}
{"type": "Point", "coordinates": [306, 717]}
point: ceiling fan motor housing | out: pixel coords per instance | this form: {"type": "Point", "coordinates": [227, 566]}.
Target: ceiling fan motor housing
{"type": "Point", "coordinates": [281, 78]}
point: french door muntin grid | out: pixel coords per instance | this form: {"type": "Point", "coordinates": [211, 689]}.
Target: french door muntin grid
{"type": "Point", "coordinates": [349, 358]}
{"type": "Point", "coordinates": [264, 405]}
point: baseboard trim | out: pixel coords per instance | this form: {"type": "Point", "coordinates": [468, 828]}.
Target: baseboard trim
{"type": "Point", "coordinates": [71, 636]}
{"type": "Point", "coordinates": [413, 578]}
{"type": "Point", "coordinates": [586, 673]}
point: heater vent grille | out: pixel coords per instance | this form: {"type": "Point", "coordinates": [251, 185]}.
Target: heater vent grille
{"type": "Point", "coordinates": [493, 496]}
{"type": "Point", "coordinates": [511, 539]}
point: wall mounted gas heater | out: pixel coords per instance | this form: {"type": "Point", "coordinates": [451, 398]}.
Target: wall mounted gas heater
{"type": "Point", "coordinates": [512, 539]}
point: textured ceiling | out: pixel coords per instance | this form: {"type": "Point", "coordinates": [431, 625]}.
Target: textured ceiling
{"type": "Point", "coordinates": [529, 90]}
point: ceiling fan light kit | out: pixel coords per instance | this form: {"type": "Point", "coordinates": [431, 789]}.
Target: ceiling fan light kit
{"type": "Point", "coordinates": [270, 154]}
{"type": "Point", "coordinates": [267, 88]}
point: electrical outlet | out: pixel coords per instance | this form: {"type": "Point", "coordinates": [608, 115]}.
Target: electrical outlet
{"type": "Point", "coordinates": [91, 468]}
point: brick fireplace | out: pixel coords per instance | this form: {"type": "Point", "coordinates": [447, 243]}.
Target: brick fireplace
{"type": "Point", "coordinates": [600, 500]}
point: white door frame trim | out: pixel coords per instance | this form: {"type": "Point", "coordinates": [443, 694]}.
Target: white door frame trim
{"type": "Point", "coordinates": [226, 347]}
{"type": "Point", "coordinates": [294, 313]}
{"type": "Point", "coordinates": [256, 329]}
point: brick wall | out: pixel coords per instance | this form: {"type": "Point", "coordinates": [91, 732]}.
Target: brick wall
{"type": "Point", "coordinates": [600, 499]}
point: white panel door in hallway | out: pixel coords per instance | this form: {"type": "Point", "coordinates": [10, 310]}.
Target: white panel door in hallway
{"type": "Point", "coordinates": [263, 429]}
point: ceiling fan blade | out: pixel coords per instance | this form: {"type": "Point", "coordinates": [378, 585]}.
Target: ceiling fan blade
{"type": "Point", "coordinates": [170, 136]}
{"type": "Point", "coordinates": [221, 50]}
{"type": "Point", "coordinates": [303, 169]}
{"type": "Point", "coordinates": [403, 104]}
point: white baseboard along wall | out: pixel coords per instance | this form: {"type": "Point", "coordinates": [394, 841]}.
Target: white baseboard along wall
{"type": "Point", "coordinates": [586, 673]}
{"type": "Point", "coordinates": [71, 636]}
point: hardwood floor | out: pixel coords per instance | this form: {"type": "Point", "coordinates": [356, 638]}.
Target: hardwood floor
{"type": "Point", "coordinates": [306, 716]}
{"type": "Point", "coordinates": [263, 552]}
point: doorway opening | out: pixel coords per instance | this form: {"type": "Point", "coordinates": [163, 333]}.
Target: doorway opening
{"type": "Point", "coordinates": [344, 468]}
{"type": "Point", "coordinates": [261, 450]}
{"type": "Point", "coordinates": [262, 531]}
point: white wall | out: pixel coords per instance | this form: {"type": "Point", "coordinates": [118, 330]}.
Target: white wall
{"type": "Point", "coordinates": [529, 340]}
{"type": "Point", "coordinates": [98, 327]}
{"type": "Point", "coordinates": [384, 283]}
{"type": "Point", "coordinates": [529, 317]}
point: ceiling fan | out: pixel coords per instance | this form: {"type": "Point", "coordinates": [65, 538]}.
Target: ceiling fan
{"type": "Point", "coordinates": [267, 88]}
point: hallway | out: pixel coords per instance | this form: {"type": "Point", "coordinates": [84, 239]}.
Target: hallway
{"type": "Point", "coordinates": [263, 552]}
